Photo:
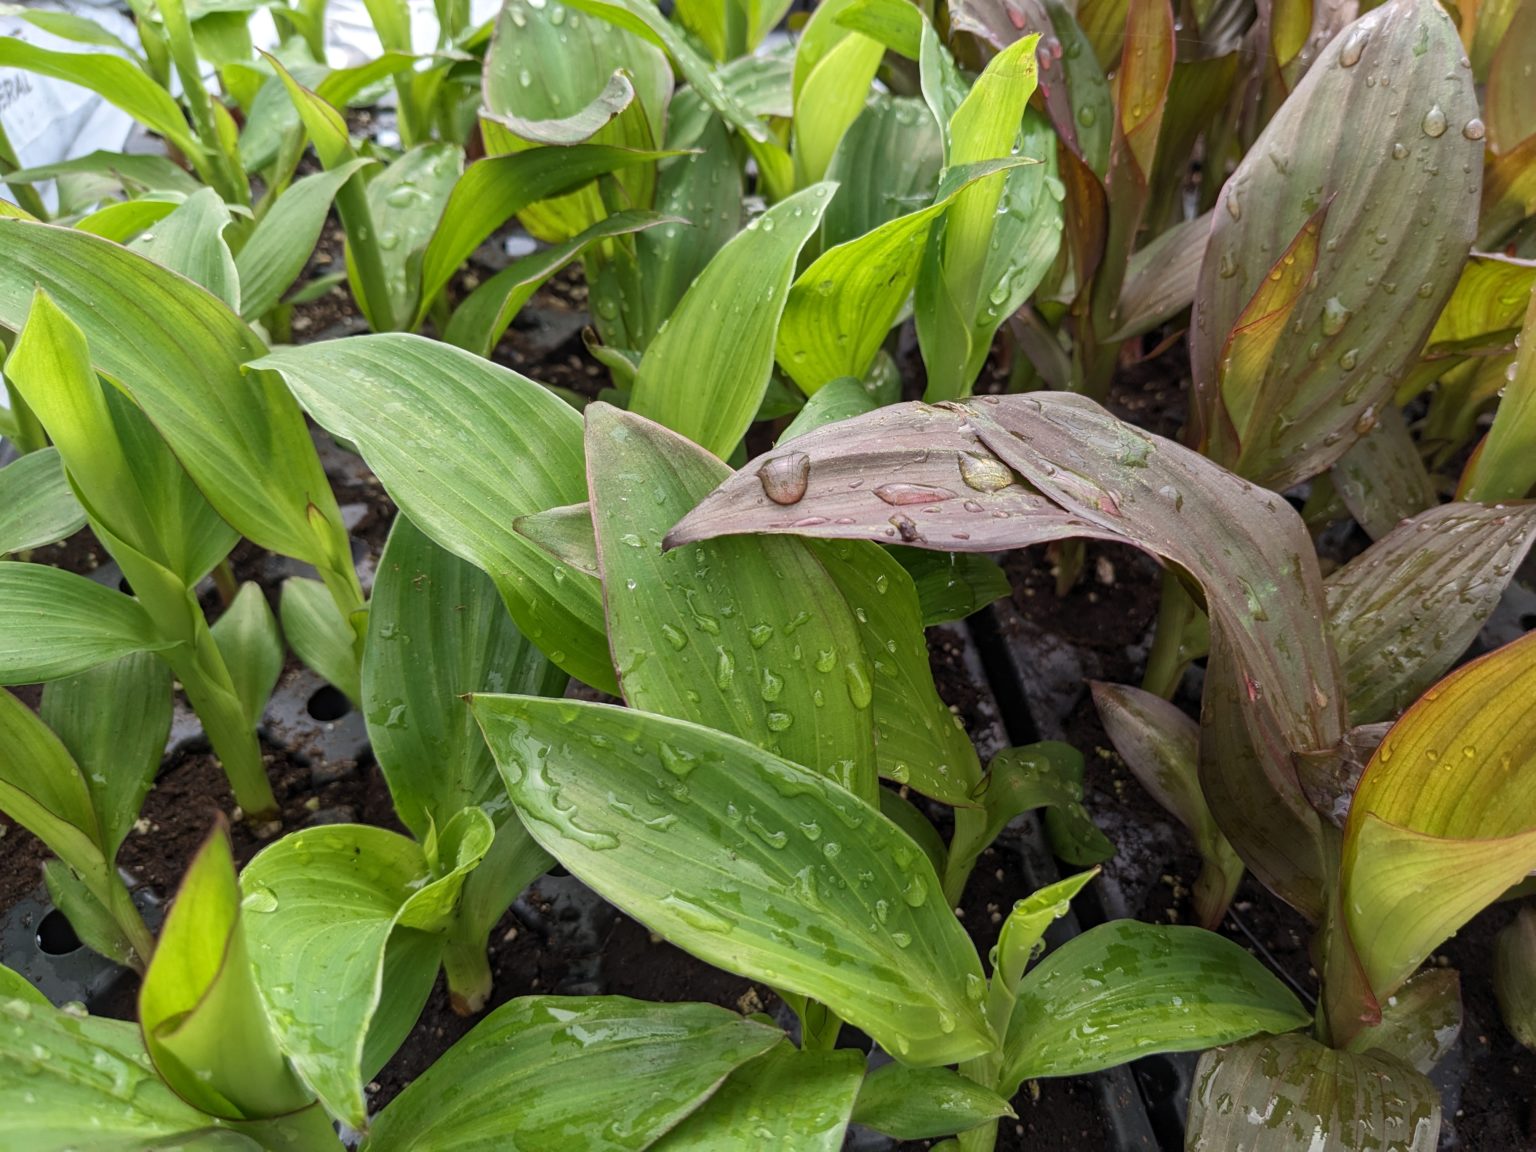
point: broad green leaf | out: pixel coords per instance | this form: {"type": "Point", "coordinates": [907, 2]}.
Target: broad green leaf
{"type": "Point", "coordinates": [55, 624]}
{"type": "Point", "coordinates": [836, 400]}
{"type": "Point", "coordinates": [88, 916]}
{"type": "Point", "coordinates": [1279, 1093]}
{"type": "Point", "coordinates": [191, 241]}
{"type": "Point", "coordinates": [334, 914]}
{"type": "Point", "coordinates": [275, 253]}
{"type": "Point", "coordinates": [1444, 817]}
{"type": "Point", "coordinates": [122, 220]}
{"type": "Point", "coordinates": [114, 720]}
{"type": "Point", "coordinates": [553, 80]}
{"type": "Point", "coordinates": [252, 647]}
{"type": "Point", "coordinates": [645, 19]}
{"type": "Point", "coordinates": [319, 635]}
{"type": "Point", "coordinates": [886, 165]}
{"type": "Point", "coordinates": [412, 406]}
{"type": "Point", "coordinates": [1404, 610]}
{"type": "Point", "coordinates": [494, 189]}
{"type": "Point", "coordinates": [952, 585]}
{"type": "Point", "coordinates": [704, 634]}
{"type": "Point", "coordinates": [436, 630]}
{"type": "Point", "coordinates": [1161, 747]}
{"type": "Point", "coordinates": [1126, 989]}
{"type": "Point", "coordinates": [37, 505]}
{"type": "Point", "coordinates": [59, 1071]}
{"type": "Point", "coordinates": [921, 1103]}
{"type": "Point", "coordinates": [14, 986]}
{"type": "Point", "coordinates": [1514, 976]}
{"type": "Point", "coordinates": [610, 1073]}
{"type": "Point", "coordinates": [830, 96]}
{"type": "Point", "coordinates": [199, 1007]}
{"type": "Point", "coordinates": [1161, 277]}
{"type": "Point", "coordinates": [787, 1098]}
{"type": "Point", "coordinates": [406, 201]}
{"type": "Point", "coordinates": [751, 863]}
{"type": "Point", "coordinates": [1502, 468]}
{"type": "Point", "coordinates": [706, 373]}
{"type": "Point", "coordinates": [1421, 1022]}
{"type": "Point", "coordinates": [1488, 304]}
{"type": "Point", "coordinates": [480, 321]}
{"type": "Point", "coordinates": [918, 742]}
{"type": "Point", "coordinates": [118, 81]}
{"type": "Point", "coordinates": [841, 308]}
{"type": "Point", "coordinates": [1046, 775]}
{"type": "Point", "coordinates": [1359, 321]}
{"type": "Point", "coordinates": [239, 434]}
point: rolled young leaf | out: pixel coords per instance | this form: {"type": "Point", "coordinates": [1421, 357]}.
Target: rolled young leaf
{"type": "Point", "coordinates": [252, 646]}
{"type": "Point", "coordinates": [1514, 976]}
{"type": "Point", "coordinates": [749, 862]}
{"type": "Point", "coordinates": [319, 635]}
{"type": "Point", "coordinates": [610, 1073]}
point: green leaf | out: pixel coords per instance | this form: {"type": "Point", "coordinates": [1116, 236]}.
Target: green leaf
{"type": "Point", "coordinates": [841, 308]}
{"type": "Point", "coordinates": [829, 93]}
{"type": "Point", "coordinates": [1511, 117]}
{"type": "Point", "coordinates": [122, 220]}
{"type": "Point", "coordinates": [89, 917]}
{"type": "Point", "coordinates": [191, 241]}
{"type": "Point", "coordinates": [119, 82]}
{"type": "Point", "coordinates": [55, 624]}
{"type": "Point", "coordinates": [114, 720]}
{"type": "Point", "coordinates": [1161, 747]}
{"type": "Point", "coordinates": [887, 163]}
{"type": "Point", "coordinates": [90, 1069]}
{"type": "Point", "coordinates": [1349, 340]}
{"type": "Point", "coordinates": [239, 435]}
{"type": "Point", "coordinates": [1459, 557]}
{"type": "Point", "coordinates": [252, 647]}
{"type": "Point", "coordinates": [922, 1103]}
{"type": "Point", "coordinates": [1514, 976]}
{"type": "Point", "coordinates": [918, 741]}
{"type": "Point", "coordinates": [334, 914]}
{"type": "Point", "coordinates": [479, 322]}
{"type": "Point", "coordinates": [318, 635]}
{"type": "Point", "coordinates": [1125, 990]}
{"type": "Point", "coordinates": [131, 171]}
{"type": "Point", "coordinates": [798, 686]}
{"type": "Point", "coordinates": [787, 1098]}
{"type": "Point", "coordinates": [411, 405]}
{"type": "Point", "coordinates": [566, 534]}
{"type": "Point", "coordinates": [436, 630]}
{"type": "Point", "coordinates": [201, 1014]}
{"type": "Point", "coordinates": [1444, 816]}
{"type": "Point", "coordinates": [37, 505]}
{"type": "Point", "coordinates": [745, 860]}
{"type": "Point", "coordinates": [1382, 479]}
{"type": "Point", "coordinates": [836, 400]}
{"type": "Point", "coordinates": [1020, 939]}
{"type": "Point", "coordinates": [1487, 306]}
{"type": "Point", "coordinates": [613, 1073]}
{"type": "Point", "coordinates": [1046, 775]}
{"type": "Point", "coordinates": [705, 375]}
{"type": "Point", "coordinates": [496, 188]}
{"type": "Point", "coordinates": [952, 585]}
{"type": "Point", "coordinates": [406, 200]}
{"type": "Point", "coordinates": [275, 253]}
{"type": "Point", "coordinates": [1501, 468]}
{"type": "Point", "coordinates": [1279, 1093]}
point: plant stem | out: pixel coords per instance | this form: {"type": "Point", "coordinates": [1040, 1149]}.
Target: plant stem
{"type": "Point", "coordinates": [205, 679]}
{"type": "Point", "coordinates": [1171, 652]}
{"type": "Point", "coordinates": [965, 848]}
{"type": "Point", "coordinates": [467, 966]}
{"type": "Point", "coordinates": [128, 919]}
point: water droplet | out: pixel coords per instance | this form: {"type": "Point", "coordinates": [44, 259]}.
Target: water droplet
{"type": "Point", "coordinates": [1399, 150]}
{"type": "Point", "coordinates": [696, 915]}
{"type": "Point", "coordinates": [773, 685]}
{"type": "Point", "coordinates": [259, 899]}
{"type": "Point", "coordinates": [1354, 45]}
{"type": "Point", "coordinates": [759, 634]}
{"type": "Point", "coordinates": [900, 495]}
{"type": "Point", "coordinates": [725, 668]}
{"type": "Point", "coordinates": [784, 478]}
{"type": "Point", "coordinates": [1335, 316]}
{"type": "Point", "coordinates": [677, 761]}
{"type": "Point", "coordinates": [1474, 129]}
{"type": "Point", "coordinates": [1349, 359]}
{"type": "Point", "coordinates": [779, 721]}
{"type": "Point", "coordinates": [860, 690]}
{"type": "Point", "coordinates": [675, 637]}
{"type": "Point", "coordinates": [984, 473]}
{"type": "Point", "coordinates": [1434, 121]}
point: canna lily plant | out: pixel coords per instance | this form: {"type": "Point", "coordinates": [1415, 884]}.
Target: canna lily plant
{"type": "Point", "coordinates": [1301, 677]}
